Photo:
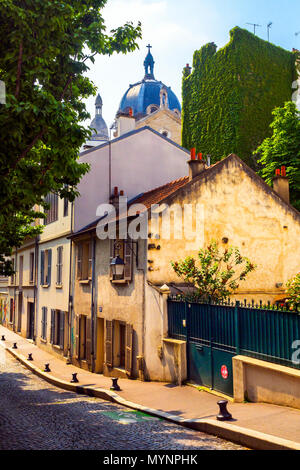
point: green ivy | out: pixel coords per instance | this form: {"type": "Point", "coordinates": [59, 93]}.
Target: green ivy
{"type": "Point", "coordinates": [229, 97]}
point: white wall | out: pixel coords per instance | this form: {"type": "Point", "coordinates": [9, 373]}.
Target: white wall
{"type": "Point", "coordinates": [139, 162]}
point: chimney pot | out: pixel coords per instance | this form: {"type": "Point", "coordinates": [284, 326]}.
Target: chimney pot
{"type": "Point", "coordinates": [200, 156]}
{"type": "Point", "coordinates": [283, 171]}
{"type": "Point", "coordinates": [277, 172]}
{"type": "Point", "coordinates": [121, 192]}
{"type": "Point", "coordinates": [116, 191]}
{"type": "Point", "coordinates": [193, 153]}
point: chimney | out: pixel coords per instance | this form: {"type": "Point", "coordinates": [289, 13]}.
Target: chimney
{"type": "Point", "coordinates": [196, 165]}
{"type": "Point", "coordinates": [281, 184]}
{"type": "Point", "coordinates": [125, 122]}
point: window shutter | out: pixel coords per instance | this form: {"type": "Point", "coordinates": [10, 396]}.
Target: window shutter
{"type": "Point", "coordinates": [42, 267]}
{"type": "Point", "coordinates": [52, 326]}
{"type": "Point", "coordinates": [77, 336]}
{"type": "Point", "coordinates": [49, 267]}
{"type": "Point", "coordinates": [88, 340]}
{"type": "Point", "coordinates": [79, 261]}
{"type": "Point", "coordinates": [111, 256]}
{"type": "Point", "coordinates": [128, 351]}
{"type": "Point", "coordinates": [90, 260]}
{"type": "Point", "coordinates": [43, 322]}
{"type": "Point", "coordinates": [62, 329]}
{"type": "Point", "coordinates": [46, 322]}
{"type": "Point", "coordinates": [109, 343]}
{"type": "Point", "coordinates": [128, 260]}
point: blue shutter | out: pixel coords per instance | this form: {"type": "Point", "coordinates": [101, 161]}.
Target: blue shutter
{"type": "Point", "coordinates": [49, 267]}
{"type": "Point", "coordinates": [42, 267]}
{"type": "Point", "coordinates": [52, 326]}
{"type": "Point", "coordinates": [62, 329]}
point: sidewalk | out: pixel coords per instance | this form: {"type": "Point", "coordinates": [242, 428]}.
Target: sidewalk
{"type": "Point", "coordinates": [255, 425]}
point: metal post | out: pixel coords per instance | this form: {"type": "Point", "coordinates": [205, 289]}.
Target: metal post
{"type": "Point", "coordinates": [237, 326]}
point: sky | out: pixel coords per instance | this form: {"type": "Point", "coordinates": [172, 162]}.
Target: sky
{"type": "Point", "coordinates": [175, 29]}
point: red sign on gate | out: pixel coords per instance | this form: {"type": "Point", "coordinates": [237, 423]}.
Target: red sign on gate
{"type": "Point", "coordinates": [224, 372]}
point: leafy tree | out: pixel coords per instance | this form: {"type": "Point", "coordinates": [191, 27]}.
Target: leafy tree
{"type": "Point", "coordinates": [293, 292]}
{"type": "Point", "coordinates": [214, 275]}
{"type": "Point", "coordinates": [45, 49]}
{"type": "Point", "coordinates": [283, 149]}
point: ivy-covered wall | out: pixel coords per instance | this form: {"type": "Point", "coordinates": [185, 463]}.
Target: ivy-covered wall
{"type": "Point", "coordinates": [230, 94]}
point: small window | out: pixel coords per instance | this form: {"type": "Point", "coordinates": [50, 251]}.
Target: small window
{"type": "Point", "coordinates": [46, 257]}
{"type": "Point", "coordinates": [84, 261]}
{"type": "Point", "coordinates": [31, 268]}
{"type": "Point", "coordinates": [66, 204]}
{"type": "Point", "coordinates": [59, 265]}
{"type": "Point", "coordinates": [52, 212]}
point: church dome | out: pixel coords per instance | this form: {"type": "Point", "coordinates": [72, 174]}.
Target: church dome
{"type": "Point", "coordinates": [100, 130]}
{"type": "Point", "coordinates": [144, 96]}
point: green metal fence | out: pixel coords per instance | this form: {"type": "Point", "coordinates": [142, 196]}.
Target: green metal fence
{"type": "Point", "coordinates": [248, 329]}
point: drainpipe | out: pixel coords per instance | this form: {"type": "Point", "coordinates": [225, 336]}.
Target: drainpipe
{"type": "Point", "coordinates": [36, 264]}
{"type": "Point", "coordinates": [93, 305]}
{"type": "Point", "coordinates": [70, 303]}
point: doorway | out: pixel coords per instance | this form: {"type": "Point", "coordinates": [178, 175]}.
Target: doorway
{"type": "Point", "coordinates": [100, 346]}
{"type": "Point", "coordinates": [20, 308]}
{"type": "Point", "coordinates": [30, 320]}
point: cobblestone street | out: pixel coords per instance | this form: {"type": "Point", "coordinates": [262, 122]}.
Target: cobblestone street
{"type": "Point", "coordinates": [35, 415]}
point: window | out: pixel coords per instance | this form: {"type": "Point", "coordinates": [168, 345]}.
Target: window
{"type": "Point", "coordinates": [66, 204]}
{"type": "Point", "coordinates": [52, 212]}
{"type": "Point", "coordinates": [59, 265]}
{"type": "Point", "coordinates": [123, 249]}
{"type": "Point", "coordinates": [13, 277]}
{"type": "Point", "coordinates": [31, 268]}
{"type": "Point", "coordinates": [57, 328]}
{"type": "Point", "coordinates": [44, 323]}
{"type": "Point", "coordinates": [84, 260]}
{"type": "Point", "coordinates": [21, 259]}
{"type": "Point", "coordinates": [46, 256]}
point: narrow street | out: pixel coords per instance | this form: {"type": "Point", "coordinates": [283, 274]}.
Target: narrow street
{"type": "Point", "coordinates": [37, 416]}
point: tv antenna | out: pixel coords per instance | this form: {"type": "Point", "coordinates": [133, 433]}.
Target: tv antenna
{"type": "Point", "coordinates": [268, 28]}
{"type": "Point", "coordinates": [254, 26]}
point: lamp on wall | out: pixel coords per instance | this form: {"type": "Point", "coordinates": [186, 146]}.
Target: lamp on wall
{"type": "Point", "coordinates": [117, 266]}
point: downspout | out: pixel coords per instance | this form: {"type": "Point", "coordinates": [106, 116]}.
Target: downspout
{"type": "Point", "coordinates": [15, 288]}
{"type": "Point", "coordinates": [70, 303]}
{"type": "Point", "coordinates": [93, 304]}
{"type": "Point", "coordinates": [36, 263]}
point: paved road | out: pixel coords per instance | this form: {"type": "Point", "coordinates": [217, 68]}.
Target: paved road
{"type": "Point", "coordinates": [36, 415]}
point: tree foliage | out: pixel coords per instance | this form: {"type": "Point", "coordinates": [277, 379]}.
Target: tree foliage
{"type": "Point", "coordinates": [293, 292]}
{"type": "Point", "coordinates": [216, 274]}
{"type": "Point", "coordinates": [283, 149]}
{"type": "Point", "coordinates": [45, 49]}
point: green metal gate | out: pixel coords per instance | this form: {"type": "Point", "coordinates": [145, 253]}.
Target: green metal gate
{"type": "Point", "coordinates": [216, 333]}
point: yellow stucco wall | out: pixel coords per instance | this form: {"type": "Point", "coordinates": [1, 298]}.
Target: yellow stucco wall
{"type": "Point", "coordinates": [234, 205]}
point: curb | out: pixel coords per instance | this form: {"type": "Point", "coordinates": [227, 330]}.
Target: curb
{"type": "Point", "coordinates": [243, 436]}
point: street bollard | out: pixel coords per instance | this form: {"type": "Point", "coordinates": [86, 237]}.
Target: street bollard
{"type": "Point", "coordinates": [3, 338]}
{"type": "Point", "coordinates": [115, 385]}
{"type": "Point", "coordinates": [224, 415]}
{"type": "Point", "coordinates": [15, 346]}
{"type": "Point", "coordinates": [47, 368]}
{"type": "Point", "coordinates": [74, 378]}
{"type": "Point", "coordinates": [30, 357]}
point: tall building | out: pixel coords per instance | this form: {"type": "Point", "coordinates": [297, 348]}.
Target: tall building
{"type": "Point", "coordinates": [229, 95]}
